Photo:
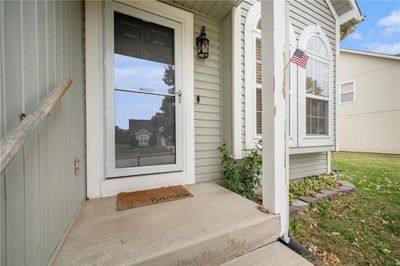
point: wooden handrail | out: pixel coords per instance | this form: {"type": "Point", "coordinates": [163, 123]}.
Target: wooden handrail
{"type": "Point", "coordinates": [15, 139]}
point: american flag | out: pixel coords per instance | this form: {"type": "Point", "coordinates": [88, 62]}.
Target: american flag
{"type": "Point", "coordinates": [299, 58]}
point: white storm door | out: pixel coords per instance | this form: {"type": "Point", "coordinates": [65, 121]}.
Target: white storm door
{"type": "Point", "coordinates": [144, 111]}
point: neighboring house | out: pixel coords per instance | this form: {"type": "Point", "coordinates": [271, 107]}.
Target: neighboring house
{"type": "Point", "coordinates": [241, 93]}
{"type": "Point", "coordinates": [370, 102]}
{"type": "Point", "coordinates": [143, 130]}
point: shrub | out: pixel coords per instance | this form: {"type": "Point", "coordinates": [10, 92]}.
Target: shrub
{"type": "Point", "coordinates": [133, 142]}
{"type": "Point", "coordinates": [242, 176]}
{"type": "Point", "coordinates": [153, 139]}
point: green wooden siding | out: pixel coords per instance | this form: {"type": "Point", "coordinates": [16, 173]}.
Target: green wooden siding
{"type": "Point", "coordinates": [41, 45]}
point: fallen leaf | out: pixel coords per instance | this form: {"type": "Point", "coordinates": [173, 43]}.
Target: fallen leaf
{"type": "Point", "coordinates": [261, 208]}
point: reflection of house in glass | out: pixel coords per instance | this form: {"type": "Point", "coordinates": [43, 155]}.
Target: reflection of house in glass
{"type": "Point", "coordinates": [149, 132]}
{"type": "Point", "coordinates": [146, 132]}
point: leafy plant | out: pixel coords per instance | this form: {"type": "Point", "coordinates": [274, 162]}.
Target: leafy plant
{"type": "Point", "coordinates": [242, 176]}
{"type": "Point", "coordinates": [310, 186]}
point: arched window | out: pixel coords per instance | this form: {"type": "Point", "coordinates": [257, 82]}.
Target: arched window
{"type": "Point", "coordinates": [316, 88]}
{"type": "Point", "coordinates": [253, 74]}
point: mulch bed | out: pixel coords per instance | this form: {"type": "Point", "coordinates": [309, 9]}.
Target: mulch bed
{"type": "Point", "coordinates": [303, 202]}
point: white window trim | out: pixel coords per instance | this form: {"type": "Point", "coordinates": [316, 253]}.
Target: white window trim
{"type": "Point", "coordinates": [144, 139]}
{"type": "Point", "coordinates": [304, 140]}
{"type": "Point", "coordinates": [354, 91]}
{"type": "Point", "coordinates": [237, 82]}
{"type": "Point", "coordinates": [251, 33]}
{"type": "Point", "coordinates": [293, 91]}
{"type": "Point", "coordinates": [97, 184]}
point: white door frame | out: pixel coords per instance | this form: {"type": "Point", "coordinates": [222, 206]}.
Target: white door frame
{"type": "Point", "coordinates": [97, 184]}
{"type": "Point", "coordinates": [111, 170]}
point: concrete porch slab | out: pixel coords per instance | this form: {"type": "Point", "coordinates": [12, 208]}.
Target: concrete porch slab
{"type": "Point", "coordinates": [210, 228]}
{"type": "Point", "coordinates": [270, 255]}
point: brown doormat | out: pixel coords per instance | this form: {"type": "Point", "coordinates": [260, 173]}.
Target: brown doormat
{"type": "Point", "coordinates": [129, 200]}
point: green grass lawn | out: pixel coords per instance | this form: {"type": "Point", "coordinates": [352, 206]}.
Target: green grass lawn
{"type": "Point", "coordinates": [361, 228]}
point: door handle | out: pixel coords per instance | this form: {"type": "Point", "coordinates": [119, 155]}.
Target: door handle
{"type": "Point", "coordinates": [179, 94]}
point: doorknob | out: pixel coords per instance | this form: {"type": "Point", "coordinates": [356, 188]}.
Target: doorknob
{"type": "Point", "coordinates": [179, 94]}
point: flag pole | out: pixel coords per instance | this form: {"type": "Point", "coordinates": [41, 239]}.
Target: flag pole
{"type": "Point", "coordinates": [287, 64]}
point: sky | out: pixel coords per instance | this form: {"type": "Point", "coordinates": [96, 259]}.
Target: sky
{"type": "Point", "coordinates": [380, 32]}
{"type": "Point", "coordinates": [137, 74]}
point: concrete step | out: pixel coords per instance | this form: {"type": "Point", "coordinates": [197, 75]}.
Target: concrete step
{"type": "Point", "coordinates": [272, 254]}
{"type": "Point", "coordinates": [210, 228]}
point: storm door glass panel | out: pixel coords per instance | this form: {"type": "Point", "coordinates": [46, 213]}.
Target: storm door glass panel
{"type": "Point", "coordinates": [144, 93]}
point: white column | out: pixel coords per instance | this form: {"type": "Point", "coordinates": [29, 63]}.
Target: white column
{"type": "Point", "coordinates": [275, 179]}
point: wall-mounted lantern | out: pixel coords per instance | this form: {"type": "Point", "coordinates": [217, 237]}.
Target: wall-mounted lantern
{"type": "Point", "coordinates": [202, 44]}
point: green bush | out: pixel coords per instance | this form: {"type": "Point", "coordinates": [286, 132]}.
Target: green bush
{"type": "Point", "coordinates": [133, 142]}
{"type": "Point", "coordinates": [242, 176]}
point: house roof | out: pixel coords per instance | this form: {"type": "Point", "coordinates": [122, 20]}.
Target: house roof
{"type": "Point", "coordinates": [394, 57]}
{"type": "Point", "coordinates": [349, 14]}
{"type": "Point", "coordinates": [217, 9]}
{"type": "Point", "coordinates": [136, 125]}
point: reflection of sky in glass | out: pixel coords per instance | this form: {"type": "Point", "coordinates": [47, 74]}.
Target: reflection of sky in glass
{"type": "Point", "coordinates": [137, 74]}
{"type": "Point", "coordinates": [130, 105]}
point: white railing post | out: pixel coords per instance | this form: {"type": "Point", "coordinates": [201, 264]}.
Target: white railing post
{"type": "Point", "coordinates": [274, 116]}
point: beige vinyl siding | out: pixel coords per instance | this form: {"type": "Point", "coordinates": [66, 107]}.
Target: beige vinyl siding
{"type": "Point", "coordinates": [372, 122]}
{"type": "Point", "coordinates": [41, 46]}
{"type": "Point", "coordinates": [207, 113]}
{"type": "Point", "coordinates": [305, 13]}
{"type": "Point", "coordinates": [301, 14]}
{"type": "Point", "coordinates": [307, 164]}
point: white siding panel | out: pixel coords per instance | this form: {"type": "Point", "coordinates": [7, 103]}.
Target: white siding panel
{"type": "Point", "coordinates": [303, 165]}
{"type": "Point", "coordinates": [208, 124]}
{"type": "Point", "coordinates": [41, 47]}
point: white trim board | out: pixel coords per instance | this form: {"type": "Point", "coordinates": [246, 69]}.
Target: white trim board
{"type": "Point", "coordinates": [293, 89]}
{"type": "Point", "coordinates": [250, 35]}
{"type": "Point", "coordinates": [394, 57]}
{"type": "Point", "coordinates": [97, 184]}
{"type": "Point", "coordinates": [236, 82]}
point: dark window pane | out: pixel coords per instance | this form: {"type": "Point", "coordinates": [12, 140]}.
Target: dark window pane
{"type": "Point", "coordinates": [145, 40]}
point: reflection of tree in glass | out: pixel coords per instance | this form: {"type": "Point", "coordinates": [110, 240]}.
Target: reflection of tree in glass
{"type": "Point", "coordinates": [313, 87]}
{"type": "Point", "coordinates": [165, 120]}
{"type": "Point", "coordinates": [121, 136]}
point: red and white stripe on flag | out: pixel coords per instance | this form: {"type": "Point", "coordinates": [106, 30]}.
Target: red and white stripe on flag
{"type": "Point", "coordinates": [299, 58]}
